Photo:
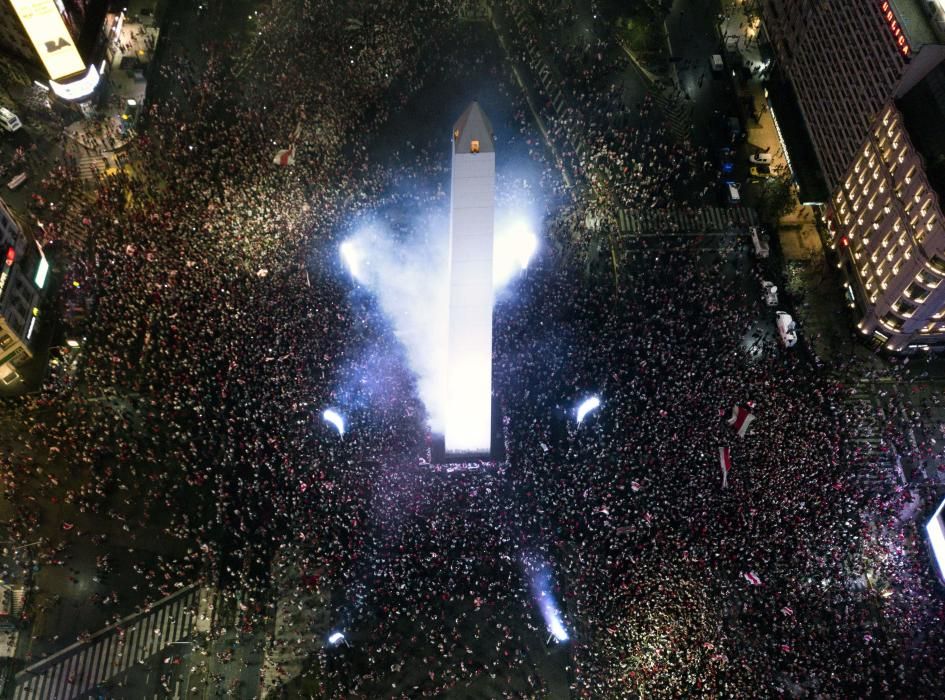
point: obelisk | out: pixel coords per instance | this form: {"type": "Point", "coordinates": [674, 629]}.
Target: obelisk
{"type": "Point", "coordinates": [469, 348]}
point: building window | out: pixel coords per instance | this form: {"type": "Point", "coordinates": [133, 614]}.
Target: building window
{"type": "Point", "coordinates": [891, 322]}
{"type": "Point", "coordinates": [917, 293]}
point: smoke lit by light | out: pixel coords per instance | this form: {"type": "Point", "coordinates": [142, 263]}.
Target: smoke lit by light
{"type": "Point", "coordinates": [409, 276]}
{"type": "Point", "coordinates": [586, 407]}
{"type": "Point", "coordinates": [539, 579]}
{"type": "Point", "coordinates": [333, 417]}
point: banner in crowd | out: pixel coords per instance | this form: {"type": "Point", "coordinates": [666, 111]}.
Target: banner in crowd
{"type": "Point", "coordinates": [740, 420]}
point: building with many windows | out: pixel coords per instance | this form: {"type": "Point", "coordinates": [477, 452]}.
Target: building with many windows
{"type": "Point", "coordinates": [23, 273]}
{"type": "Point", "coordinates": [846, 59]}
{"type": "Point", "coordinates": [63, 40]}
{"type": "Point", "coordinates": [868, 75]}
{"type": "Point", "coordinates": [888, 224]}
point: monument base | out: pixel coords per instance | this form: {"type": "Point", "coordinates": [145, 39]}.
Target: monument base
{"type": "Point", "coordinates": [439, 455]}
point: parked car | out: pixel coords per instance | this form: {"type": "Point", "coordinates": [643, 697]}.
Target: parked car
{"type": "Point", "coordinates": [760, 159]}
{"type": "Point", "coordinates": [732, 192]}
{"type": "Point", "coordinates": [770, 293]}
{"type": "Point", "coordinates": [760, 171]}
{"type": "Point", "coordinates": [9, 121]}
{"type": "Point", "coordinates": [717, 63]}
{"type": "Point", "coordinates": [787, 329]}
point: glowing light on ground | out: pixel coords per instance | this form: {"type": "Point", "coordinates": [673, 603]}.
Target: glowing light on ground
{"type": "Point", "coordinates": [353, 258]}
{"type": "Point", "coordinates": [586, 407]}
{"type": "Point", "coordinates": [333, 417]}
{"type": "Point", "coordinates": [539, 579]}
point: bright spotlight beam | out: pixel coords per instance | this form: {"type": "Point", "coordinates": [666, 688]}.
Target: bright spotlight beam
{"type": "Point", "coordinates": [539, 576]}
{"type": "Point", "coordinates": [552, 616]}
{"type": "Point", "coordinates": [333, 417]}
{"type": "Point", "coordinates": [586, 407]}
{"type": "Point", "coordinates": [351, 257]}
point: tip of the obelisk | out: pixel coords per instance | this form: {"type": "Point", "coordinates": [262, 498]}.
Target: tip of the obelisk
{"type": "Point", "coordinates": [472, 132]}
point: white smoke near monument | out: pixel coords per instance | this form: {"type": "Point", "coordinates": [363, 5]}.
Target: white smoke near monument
{"type": "Point", "coordinates": [408, 278]}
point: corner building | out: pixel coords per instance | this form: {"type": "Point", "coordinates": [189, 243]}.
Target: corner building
{"type": "Point", "coordinates": [853, 65]}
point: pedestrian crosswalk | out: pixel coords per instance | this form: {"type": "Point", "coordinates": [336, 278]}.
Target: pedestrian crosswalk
{"type": "Point", "coordinates": [678, 122]}
{"type": "Point", "coordinates": [866, 441]}
{"type": "Point", "coordinates": [74, 671]}
{"type": "Point", "coordinates": [706, 219]}
{"type": "Point", "coordinates": [91, 165]}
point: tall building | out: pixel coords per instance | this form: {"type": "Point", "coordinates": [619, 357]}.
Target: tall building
{"type": "Point", "coordinates": [868, 78]}
{"type": "Point", "coordinates": [469, 344]}
{"type": "Point", "coordinates": [23, 273]}
{"type": "Point", "coordinates": [846, 59]}
{"type": "Point", "coordinates": [886, 219]}
{"type": "Point", "coordinates": [64, 40]}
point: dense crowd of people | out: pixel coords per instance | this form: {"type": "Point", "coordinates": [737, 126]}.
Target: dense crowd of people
{"type": "Point", "coordinates": [218, 323]}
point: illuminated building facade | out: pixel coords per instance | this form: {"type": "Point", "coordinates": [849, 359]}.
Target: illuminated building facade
{"type": "Point", "coordinates": [887, 221]}
{"type": "Point", "coordinates": [846, 59]}
{"type": "Point", "coordinates": [63, 39]}
{"type": "Point", "coordinates": [23, 273]}
{"type": "Point", "coordinates": [858, 68]}
{"type": "Point", "coordinates": [469, 343]}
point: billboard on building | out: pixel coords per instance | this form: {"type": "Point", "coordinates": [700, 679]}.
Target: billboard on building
{"type": "Point", "coordinates": [50, 37]}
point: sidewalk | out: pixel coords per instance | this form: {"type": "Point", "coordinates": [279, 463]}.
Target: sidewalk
{"type": "Point", "coordinates": [97, 142]}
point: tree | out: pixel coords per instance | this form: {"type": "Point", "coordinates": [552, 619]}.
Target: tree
{"type": "Point", "coordinates": [776, 198]}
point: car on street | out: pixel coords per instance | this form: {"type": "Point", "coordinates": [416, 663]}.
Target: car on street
{"type": "Point", "coordinates": [770, 293]}
{"type": "Point", "coordinates": [787, 329]}
{"type": "Point", "coordinates": [760, 159]}
{"type": "Point", "coordinates": [760, 171]}
{"type": "Point", "coordinates": [9, 121]}
{"type": "Point", "coordinates": [717, 63]}
{"type": "Point", "coordinates": [732, 192]}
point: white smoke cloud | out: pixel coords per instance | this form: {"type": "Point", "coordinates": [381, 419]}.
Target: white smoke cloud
{"type": "Point", "coordinates": [409, 277]}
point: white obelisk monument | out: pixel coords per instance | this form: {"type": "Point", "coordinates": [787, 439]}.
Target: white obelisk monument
{"type": "Point", "coordinates": [469, 347]}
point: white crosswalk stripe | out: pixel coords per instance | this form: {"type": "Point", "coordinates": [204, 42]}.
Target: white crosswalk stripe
{"type": "Point", "coordinates": [716, 219]}
{"type": "Point", "coordinates": [79, 668]}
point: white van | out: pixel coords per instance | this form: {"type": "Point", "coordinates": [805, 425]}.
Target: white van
{"type": "Point", "coordinates": [787, 330]}
{"type": "Point", "coordinates": [717, 62]}
{"type": "Point", "coordinates": [8, 120]}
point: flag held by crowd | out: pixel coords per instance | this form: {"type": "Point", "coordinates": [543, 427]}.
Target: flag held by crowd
{"type": "Point", "coordinates": [752, 578]}
{"type": "Point", "coordinates": [740, 420]}
{"type": "Point", "coordinates": [725, 461]}
{"type": "Point", "coordinates": [286, 156]}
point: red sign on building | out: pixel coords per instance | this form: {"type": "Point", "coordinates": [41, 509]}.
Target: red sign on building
{"type": "Point", "coordinates": [893, 23]}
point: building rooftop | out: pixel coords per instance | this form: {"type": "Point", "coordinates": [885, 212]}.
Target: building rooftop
{"type": "Point", "coordinates": [472, 132]}
{"type": "Point", "coordinates": [916, 22]}
{"type": "Point", "coordinates": [923, 113]}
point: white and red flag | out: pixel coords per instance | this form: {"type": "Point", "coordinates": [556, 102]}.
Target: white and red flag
{"type": "Point", "coordinates": [740, 420]}
{"type": "Point", "coordinates": [285, 156]}
{"type": "Point", "coordinates": [752, 578]}
{"type": "Point", "coordinates": [725, 461]}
